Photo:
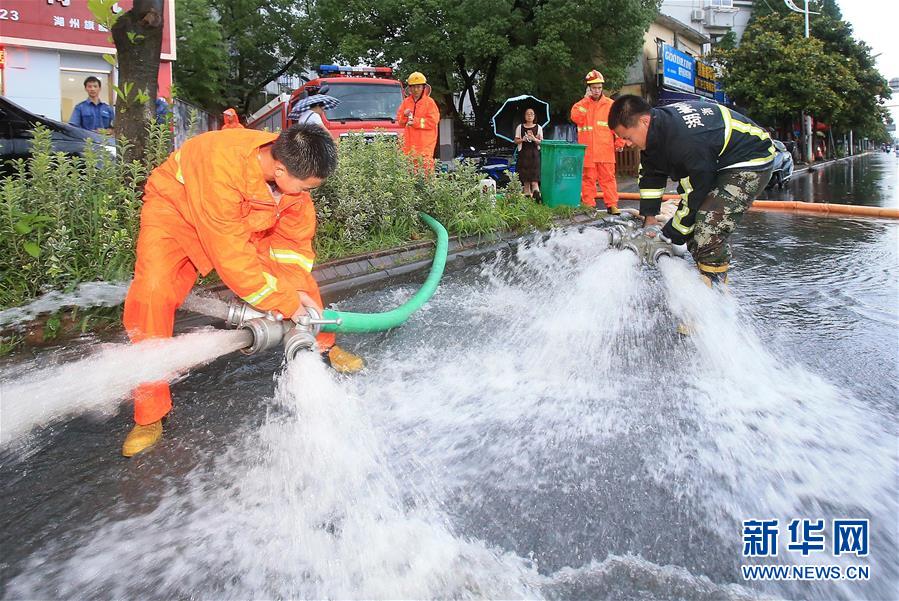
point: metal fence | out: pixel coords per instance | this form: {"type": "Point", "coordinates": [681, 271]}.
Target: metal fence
{"type": "Point", "coordinates": [190, 120]}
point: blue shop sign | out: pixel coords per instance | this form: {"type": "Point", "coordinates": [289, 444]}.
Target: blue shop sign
{"type": "Point", "coordinates": [678, 69]}
{"type": "Point", "coordinates": [720, 96]}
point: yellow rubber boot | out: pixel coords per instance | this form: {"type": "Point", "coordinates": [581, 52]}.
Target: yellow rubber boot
{"type": "Point", "coordinates": [343, 361]}
{"type": "Point", "coordinates": [142, 438]}
{"type": "Point", "coordinates": [713, 275]}
{"type": "Point", "coordinates": [613, 210]}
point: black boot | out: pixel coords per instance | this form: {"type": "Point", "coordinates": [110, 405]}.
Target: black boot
{"type": "Point", "coordinates": [538, 197]}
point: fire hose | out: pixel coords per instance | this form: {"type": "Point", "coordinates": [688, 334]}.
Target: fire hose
{"type": "Point", "coordinates": [269, 330]}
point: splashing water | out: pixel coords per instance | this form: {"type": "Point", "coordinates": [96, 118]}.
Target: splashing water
{"type": "Point", "coordinates": [206, 305]}
{"type": "Point", "coordinates": [88, 294]}
{"type": "Point", "coordinates": [98, 383]}
{"type": "Point", "coordinates": [305, 508]}
{"type": "Point", "coordinates": [537, 429]}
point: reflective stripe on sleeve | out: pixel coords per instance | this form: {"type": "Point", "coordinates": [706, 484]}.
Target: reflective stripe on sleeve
{"type": "Point", "coordinates": [271, 285]}
{"type": "Point", "coordinates": [284, 255]}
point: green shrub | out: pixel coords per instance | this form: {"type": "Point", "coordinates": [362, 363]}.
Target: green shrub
{"type": "Point", "coordinates": [66, 220]}
{"type": "Point", "coordinates": [373, 199]}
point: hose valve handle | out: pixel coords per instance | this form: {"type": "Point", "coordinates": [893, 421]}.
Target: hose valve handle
{"type": "Point", "coordinates": [322, 322]}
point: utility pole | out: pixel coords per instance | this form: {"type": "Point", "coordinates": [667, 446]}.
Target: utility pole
{"type": "Point", "coordinates": [806, 120]}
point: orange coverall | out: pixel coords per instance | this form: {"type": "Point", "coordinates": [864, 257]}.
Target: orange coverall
{"type": "Point", "coordinates": [207, 207]}
{"type": "Point", "coordinates": [420, 138]}
{"type": "Point", "coordinates": [592, 120]}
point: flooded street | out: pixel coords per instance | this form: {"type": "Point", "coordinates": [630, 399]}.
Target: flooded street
{"type": "Point", "coordinates": [538, 430]}
{"type": "Point", "coordinates": [871, 180]}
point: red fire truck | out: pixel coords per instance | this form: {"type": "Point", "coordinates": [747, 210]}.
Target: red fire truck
{"type": "Point", "coordinates": [369, 98]}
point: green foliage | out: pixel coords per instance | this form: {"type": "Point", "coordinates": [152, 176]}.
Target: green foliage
{"type": "Point", "coordinates": [104, 12]}
{"type": "Point", "coordinates": [490, 49]}
{"type": "Point", "coordinates": [264, 39]}
{"type": "Point", "coordinates": [66, 220]}
{"type": "Point", "coordinates": [202, 65]}
{"type": "Point", "coordinates": [373, 199]}
{"type": "Point", "coordinates": [777, 73]}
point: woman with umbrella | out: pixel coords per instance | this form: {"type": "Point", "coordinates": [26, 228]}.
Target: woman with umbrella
{"type": "Point", "coordinates": [528, 136]}
{"type": "Point", "coordinates": [312, 109]}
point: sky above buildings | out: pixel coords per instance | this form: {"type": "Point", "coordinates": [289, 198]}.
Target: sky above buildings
{"type": "Point", "coordinates": [874, 22]}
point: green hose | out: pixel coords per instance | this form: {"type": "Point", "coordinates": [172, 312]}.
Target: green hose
{"type": "Point", "coordinates": [378, 322]}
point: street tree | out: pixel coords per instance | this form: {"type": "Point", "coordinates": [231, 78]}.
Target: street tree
{"type": "Point", "coordinates": [202, 66]}
{"type": "Point", "coordinates": [137, 35]}
{"type": "Point", "coordinates": [264, 39]}
{"type": "Point", "coordinates": [777, 73]}
{"type": "Point", "coordinates": [486, 50]}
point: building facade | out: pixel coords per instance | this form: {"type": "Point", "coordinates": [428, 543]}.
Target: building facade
{"type": "Point", "coordinates": [669, 67]}
{"type": "Point", "coordinates": [50, 46]}
{"type": "Point", "coordinates": [712, 18]}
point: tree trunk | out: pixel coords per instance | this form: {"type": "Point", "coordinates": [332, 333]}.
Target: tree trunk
{"type": "Point", "coordinates": [138, 40]}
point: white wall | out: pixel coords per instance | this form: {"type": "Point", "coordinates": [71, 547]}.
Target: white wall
{"type": "Point", "coordinates": [32, 76]}
{"type": "Point", "coordinates": [32, 79]}
{"type": "Point", "coordinates": [682, 11]}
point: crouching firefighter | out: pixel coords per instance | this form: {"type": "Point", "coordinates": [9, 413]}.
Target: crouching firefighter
{"type": "Point", "coordinates": [237, 201]}
{"type": "Point", "coordinates": [721, 159]}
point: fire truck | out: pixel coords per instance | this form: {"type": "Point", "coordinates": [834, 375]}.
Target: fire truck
{"type": "Point", "coordinates": [369, 98]}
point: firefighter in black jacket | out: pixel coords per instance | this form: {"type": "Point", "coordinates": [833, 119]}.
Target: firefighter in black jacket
{"type": "Point", "coordinates": [721, 159]}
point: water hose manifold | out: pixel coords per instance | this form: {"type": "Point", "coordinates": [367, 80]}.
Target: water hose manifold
{"type": "Point", "coordinates": [269, 330]}
{"type": "Point", "coordinates": [625, 233]}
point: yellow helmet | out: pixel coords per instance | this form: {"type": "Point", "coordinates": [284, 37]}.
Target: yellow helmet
{"type": "Point", "coordinates": [594, 76]}
{"type": "Point", "coordinates": [416, 78]}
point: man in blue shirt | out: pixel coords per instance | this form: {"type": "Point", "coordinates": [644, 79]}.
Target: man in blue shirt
{"type": "Point", "coordinates": [93, 114]}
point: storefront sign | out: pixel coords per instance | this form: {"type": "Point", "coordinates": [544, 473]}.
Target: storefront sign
{"type": "Point", "coordinates": [720, 96]}
{"type": "Point", "coordinates": [69, 25]}
{"type": "Point", "coordinates": [705, 80]}
{"type": "Point", "coordinates": [678, 69]}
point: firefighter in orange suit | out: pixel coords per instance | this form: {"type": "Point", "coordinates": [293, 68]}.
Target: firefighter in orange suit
{"type": "Point", "coordinates": [591, 115]}
{"type": "Point", "coordinates": [237, 201]}
{"type": "Point", "coordinates": [420, 116]}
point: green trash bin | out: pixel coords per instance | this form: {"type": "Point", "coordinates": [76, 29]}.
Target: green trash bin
{"type": "Point", "coordinates": [561, 166]}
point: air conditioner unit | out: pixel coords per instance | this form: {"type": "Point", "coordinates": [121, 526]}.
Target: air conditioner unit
{"type": "Point", "coordinates": [696, 15]}
{"type": "Point", "coordinates": [718, 18]}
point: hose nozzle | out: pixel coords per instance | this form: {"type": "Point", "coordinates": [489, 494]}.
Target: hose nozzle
{"type": "Point", "coordinates": [240, 312]}
{"type": "Point", "coordinates": [297, 340]}
{"type": "Point", "coordinates": [267, 333]}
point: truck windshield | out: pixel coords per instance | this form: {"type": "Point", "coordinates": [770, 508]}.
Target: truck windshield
{"type": "Point", "coordinates": [364, 101]}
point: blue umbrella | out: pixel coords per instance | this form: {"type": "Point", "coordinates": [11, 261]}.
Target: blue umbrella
{"type": "Point", "coordinates": [511, 114]}
{"type": "Point", "coordinates": [303, 105]}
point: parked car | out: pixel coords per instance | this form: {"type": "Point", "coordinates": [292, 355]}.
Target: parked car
{"type": "Point", "coordinates": [16, 134]}
{"type": "Point", "coordinates": [783, 165]}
